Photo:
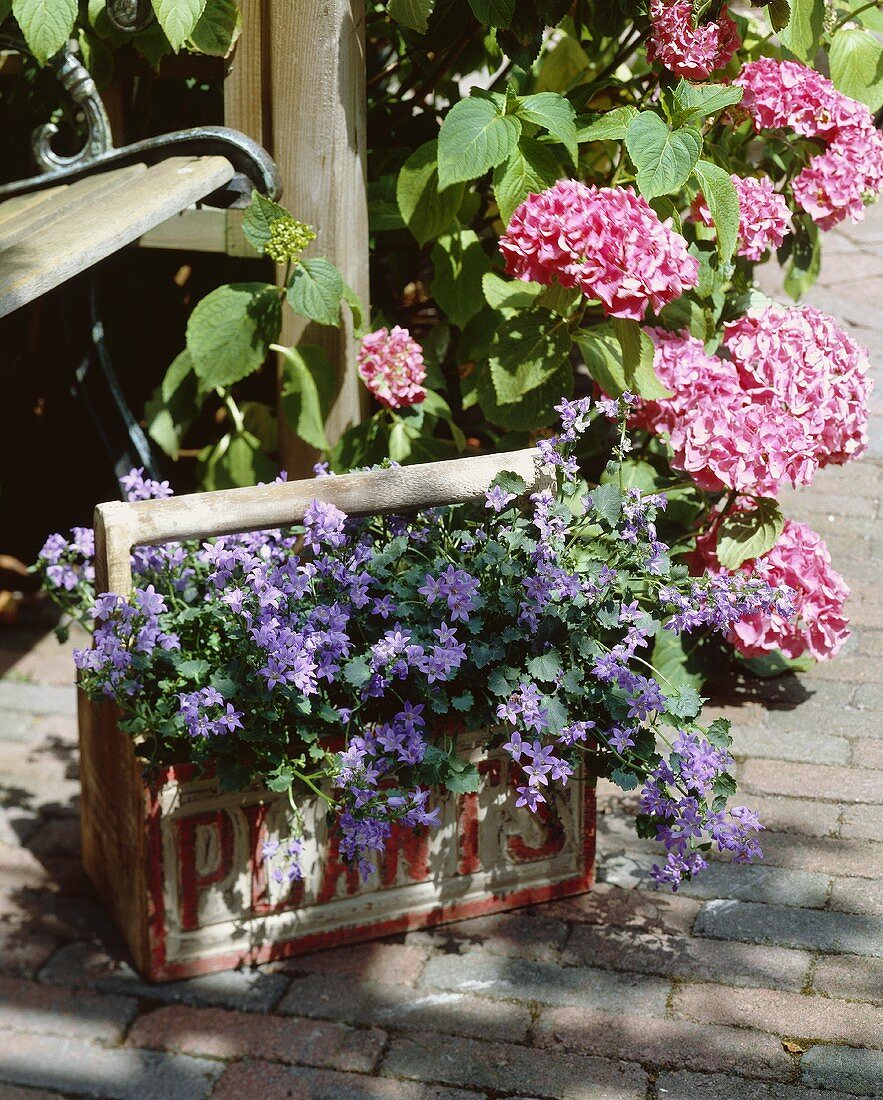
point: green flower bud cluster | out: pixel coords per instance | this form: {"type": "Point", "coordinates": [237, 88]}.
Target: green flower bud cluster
{"type": "Point", "coordinates": [288, 238]}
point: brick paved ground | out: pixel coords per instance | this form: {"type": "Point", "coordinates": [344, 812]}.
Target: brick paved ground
{"type": "Point", "coordinates": [762, 982]}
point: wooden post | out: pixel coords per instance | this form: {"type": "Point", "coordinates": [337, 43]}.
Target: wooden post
{"type": "Point", "coordinates": [308, 109]}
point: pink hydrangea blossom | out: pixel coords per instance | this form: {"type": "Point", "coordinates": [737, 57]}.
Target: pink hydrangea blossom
{"type": "Point", "coordinates": [390, 363]}
{"type": "Point", "coordinates": [607, 241]}
{"type": "Point", "coordinates": [801, 560]}
{"type": "Point", "coordinates": [744, 446]}
{"type": "Point", "coordinates": [687, 50]}
{"type": "Point", "coordinates": [764, 217]}
{"type": "Point", "coordinates": [800, 361]}
{"type": "Point", "coordinates": [682, 365]}
{"type": "Point", "coordinates": [839, 181]}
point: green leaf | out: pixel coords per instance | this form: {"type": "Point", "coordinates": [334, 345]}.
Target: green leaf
{"type": "Point", "coordinates": [686, 703]}
{"type": "Point", "coordinates": [259, 216]}
{"type": "Point", "coordinates": [607, 502]}
{"type": "Point", "coordinates": [493, 13]}
{"type": "Point", "coordinates": [779, 12]}
{"type": "Point", "coordinates": [749, 534]}
{"type": "Point", "coordinates": [465, 782]}
{"type": "Point", "coordinates": [545, 667]}
{"type": "Point", "coordinates": [97, 57]}
{"type": "Point", "coordinates": [637, 360]}
{"type": "Point", "coordinates": [218, 28]}
{"type": "Point", "coordinates": [5, 9]}
{"type": "Point", "coordinates": [856, 60]}
{"type": "Point", "coordinates": [626, 781]}
{"type": "Point", "coordinates": [775, 663]}
{"type": "Point", "coordinates": [261, 421]}
{"type": "Point", "coordinates": [664, 158]}
{"type": "Point", "coordinates": [672, 660]}
{"type": "Point", "coordinates": [152, 44]}
{"type": "Point", "coordinates": [460, 264]}
{"type": "Point", "coordinates": [503, 293]}
{"type": "Point", "coordinates": [355, 303]}
{"type": "Point", "coordinates": [464, 702]}
{"type": "Point", "coordinates": [174, 405]}
{"type": "Point", "coordinates": [602, 356]}
{"type": "Point", "coordinates": [723, 204]}
{"type": "Point", "coordinates": [234, 461]}
{"type": "Point", "coordinates": [718, 733]}
{"type": "Point", "coordinates": [315, 291]}
{"type": "Point", "coordinates": [555, 114]}
{"type": "Point", "coordinates": [45, 24]}
{"type": "Point", "coordinates": [532, 167]}
{"type": "Point", "coordinates": [538, 408]}
{"type": "Point", "coordinates": [474, 138]}
{"type": "Point", "coordinates": [228, 332]}
{"type": "Point", "coordinates": [696, 101]}
{"type": "Point", "coordinates": [411, 13]}
{"type": "Point", "coordinates": [611, 126]}
{"type": "Point", "coordinates": [805, 249]}
{"type": "Point", "coordinates": [426, 210]}
{"type": "Point", "coordinates": [307, 391]}
{"type": "Point", "coordinates": [527, 350]}
{"type": "Point", "coordinates": [357, 671]}
{"type": "Point", "coordinates": [804, 31]}
{"type": "Point", "coordinates": [178, 19]}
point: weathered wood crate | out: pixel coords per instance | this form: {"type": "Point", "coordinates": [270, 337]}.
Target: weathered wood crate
{"type": "Point", "coordinates": [179, 863]}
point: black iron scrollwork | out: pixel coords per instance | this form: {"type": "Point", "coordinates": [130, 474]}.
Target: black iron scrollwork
{"type": "Point", "coordinates": [77, 82]}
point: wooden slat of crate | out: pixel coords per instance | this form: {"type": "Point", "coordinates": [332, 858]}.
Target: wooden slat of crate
{"type": "Point", "coordinates": [44, 243]}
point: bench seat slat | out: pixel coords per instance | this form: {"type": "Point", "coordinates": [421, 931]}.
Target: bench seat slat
{"type": "Point", "coordinates": [45, 243]}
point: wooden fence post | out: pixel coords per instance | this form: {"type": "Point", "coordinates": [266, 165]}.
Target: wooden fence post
{"type": "Point", "coordinates": [309, 110]}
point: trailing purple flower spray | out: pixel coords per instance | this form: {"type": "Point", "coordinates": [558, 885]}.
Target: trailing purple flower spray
{"type": "Point", "coordinates": [340, 659]}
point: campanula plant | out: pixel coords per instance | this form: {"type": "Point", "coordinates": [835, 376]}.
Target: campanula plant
{"type": "Point", "coordinates": [340, 658]}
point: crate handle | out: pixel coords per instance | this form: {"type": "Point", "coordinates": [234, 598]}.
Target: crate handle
{"type": "Point", "coordinates": [120, 526]}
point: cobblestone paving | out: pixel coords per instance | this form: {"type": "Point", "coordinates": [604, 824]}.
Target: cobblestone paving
{"type": "Point", "coordinates": [763, 982]}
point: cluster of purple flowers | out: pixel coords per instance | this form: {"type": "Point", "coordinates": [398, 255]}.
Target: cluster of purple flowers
{"type": "Point", "coordinates": [122, 630]}
{"type": "Point", "coordinates": [206, 713]}
{"type": "Point", "coordinates": [677, 795]}
{"type": "Point", "coordinates": [343, 655]}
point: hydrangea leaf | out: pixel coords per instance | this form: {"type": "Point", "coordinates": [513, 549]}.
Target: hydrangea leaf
{"type": "Point", "coordinates": [45, 24]}
{"type": "Point", "coordinates": [425, 209]}
{"type": "Point", "coordinates": [493, 13]}
{"type": "Point", "coordinates": [307, 389]}
{"type": "Point", "coordinates": [856, 59]}
{"type": "Point", "coordinates": [775, 663]}
{"type": "Point", "coordinates": [749, 533]}
{"type": "Point", "coordinates": [802, 251]}
{"type": "Point", "coordinates": [460, 264]}
{"type": "Point", "coordinates": [804, 31]}
{"type": "Point", "coordinates": [663, 157]}
{"type": "Point", "coordinates": [611, 126]}
{"type": "Point", "coordinates": [235, 460]}
{"type": "Point", "coordinates": [603, 359]}
{"type": "Point", "coordinates": [503, 293]}
{"type": "Point", "coordinates": [474, 138]}
{"type": "Point", "coordinates": [178, 19]}
{"type": "Point", "coordinates": [218, 28]}
{"type": "Point", "coordinates": [315, 291]}
{"type": "Point", "coordinates": [229, 331]}
{"type": "Point", "coordinates": [637, 360]}
{"type": "Point", "coordinates": [695, 101]}
{"type": "Point", "coordinates": [672, 660]}
{"type": "Point", "coordinates": [527, 350]}
{"type": "Point", "coordinates": [259, 216]}
{"type": "Point", "coordinates": [174, 405]}
{"type": "Point", "coordinates": [723, 204]}
{"type": "Point", "coordinates": [530, 169]}
{"type": "Point", "coordinates": [553, 113]}
{"type": "Point", "coordinates": [413, 14]}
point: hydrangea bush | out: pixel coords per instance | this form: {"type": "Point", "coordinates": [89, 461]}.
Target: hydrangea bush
{"type": "Point", "coordinates": [341, 657]}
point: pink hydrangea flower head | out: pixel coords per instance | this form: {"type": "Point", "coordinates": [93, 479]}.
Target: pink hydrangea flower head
{"type": "Point", "coordinates": [849, 172]}
{"type": "Point", "coordinates": [798, 360]}
{"type": "Point", "coordinates": [687, 50]}
{"type": "Point", "coordinates": [741, 445]}
{"type": "Point", "coordinates": [607, 241]}
{"type": "Point", "coordinates": [684, 366]}
{"type": "Point", "coordinates": [838, 183]}
{"type": "Point", "coordinates": [390, 363]}
{"type": "Point", "coordinates": [764, 217]}
{"type": "Point", "coordinates": [801, 561]}
{"type": "Point", "coordinates": [788, 95]}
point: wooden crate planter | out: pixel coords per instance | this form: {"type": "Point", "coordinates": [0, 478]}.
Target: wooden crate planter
{"type": "Point", "coordinates": [178, 862]}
